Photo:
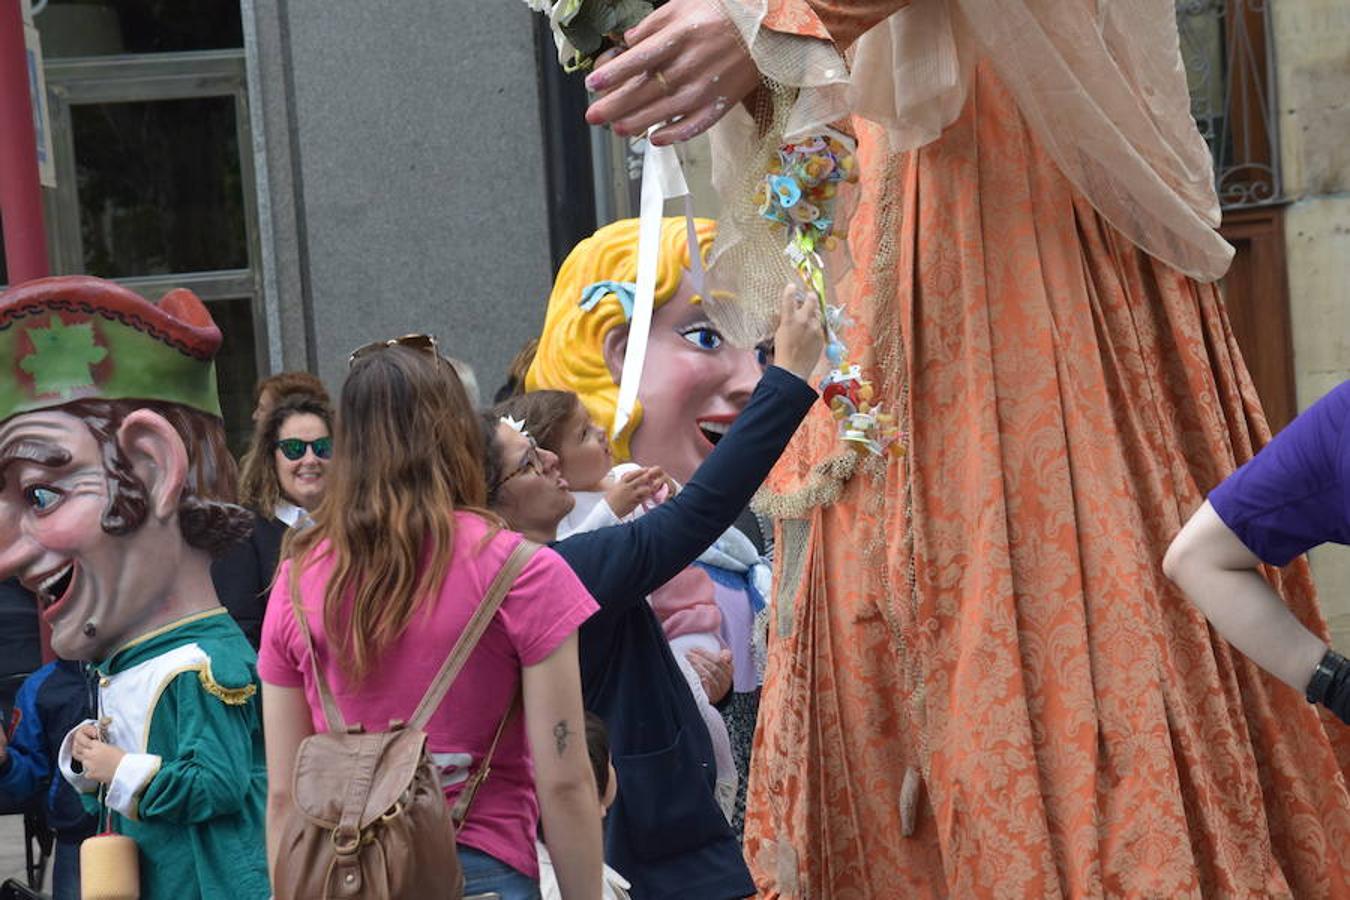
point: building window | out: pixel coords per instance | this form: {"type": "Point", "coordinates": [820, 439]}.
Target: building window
{"type": "Point", "coordinates": [154, 166]}
{"type": "Point", "coordinates": [1225, 45]}
{"type": "Point", "coordinates": [1230, 67]}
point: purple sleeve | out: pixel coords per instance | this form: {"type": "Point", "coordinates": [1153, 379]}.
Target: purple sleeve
{"type": "Point", "coordinates": [1291, 496]}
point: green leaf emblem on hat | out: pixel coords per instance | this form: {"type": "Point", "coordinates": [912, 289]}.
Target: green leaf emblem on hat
{"type": "Point", "coordinates": [75, 337]}
{"type": "Point", "coordinates": [62, 358]}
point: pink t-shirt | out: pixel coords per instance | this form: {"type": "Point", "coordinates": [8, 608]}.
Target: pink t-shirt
{"type": "Point", "coordinates": [547, 604]}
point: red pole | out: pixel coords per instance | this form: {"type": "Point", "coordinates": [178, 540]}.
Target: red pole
{"type": "Point", "coordinates": [20, 192]}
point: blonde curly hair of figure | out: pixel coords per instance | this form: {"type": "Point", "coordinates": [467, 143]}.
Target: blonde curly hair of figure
{"type": "Point", "coordinates": [571, 353]}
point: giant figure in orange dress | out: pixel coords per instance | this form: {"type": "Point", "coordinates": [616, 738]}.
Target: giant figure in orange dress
{"type": "Point", "coordinates": [980, 684]}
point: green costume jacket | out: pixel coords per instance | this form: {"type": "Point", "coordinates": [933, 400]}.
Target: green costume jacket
{"type": "Point", "coordinates": [183, 703]}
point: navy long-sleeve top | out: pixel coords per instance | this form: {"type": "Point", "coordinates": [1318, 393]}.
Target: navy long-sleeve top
{"type": "Point", "coordinates": [243, 576]}
{"type": "Point", "coordinates": [665, 832]}
{"type": "Point", "coordinates": [53, 700]}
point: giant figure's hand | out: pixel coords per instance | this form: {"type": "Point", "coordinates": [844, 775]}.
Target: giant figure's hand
{"type": "Point", "coordinates": [685, 64]}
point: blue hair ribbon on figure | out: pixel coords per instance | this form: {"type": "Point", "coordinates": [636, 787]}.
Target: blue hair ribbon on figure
{"type": "Point", "coordinates": [624, 291]}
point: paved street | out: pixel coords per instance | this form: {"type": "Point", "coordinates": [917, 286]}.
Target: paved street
{"type": "Point", "coordinates": [11, 847]}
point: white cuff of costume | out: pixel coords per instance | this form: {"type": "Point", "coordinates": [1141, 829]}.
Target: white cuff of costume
{"type": "Point", "coordinates": [133, 774]}
{"type": "Point", "coordinates": [65, 762]}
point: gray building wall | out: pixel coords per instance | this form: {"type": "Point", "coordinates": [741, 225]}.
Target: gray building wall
{"type": "Point", "coordinates": [1312, 49]}
{"type": "Point", "coordinates": [401, 177]}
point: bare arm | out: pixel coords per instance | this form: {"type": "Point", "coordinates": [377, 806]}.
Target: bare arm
{"type": "Point", "coordinates": [286, 722]}
{"type": "Point", "coordinates": [1219, 575]}
{"type": "Point", "coordinates": [569, 803]}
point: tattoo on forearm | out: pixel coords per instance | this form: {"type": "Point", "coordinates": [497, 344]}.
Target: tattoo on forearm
{"type": "Point", "coordinates": [560, 735]}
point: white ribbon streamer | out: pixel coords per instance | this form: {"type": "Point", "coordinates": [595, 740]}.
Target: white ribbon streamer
{"type": "Point", "coordinates": [662, 180]}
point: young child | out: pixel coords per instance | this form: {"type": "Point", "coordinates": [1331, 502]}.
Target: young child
{"type": "Point", "coordinates": [609, 495]}
{"type": "Point", "coordinates": [605, 494]}
{"type": "Point", "coordinates": [52, 700]}
{"type": "Point", "coordinates": [607, 786]}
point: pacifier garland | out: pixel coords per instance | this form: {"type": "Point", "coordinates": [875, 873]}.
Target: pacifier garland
{"type": "Point", "coordinates": [800, 194]}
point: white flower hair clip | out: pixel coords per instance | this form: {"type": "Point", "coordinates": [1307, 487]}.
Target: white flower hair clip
{"type": "Point", "coordinates": [516, 425]}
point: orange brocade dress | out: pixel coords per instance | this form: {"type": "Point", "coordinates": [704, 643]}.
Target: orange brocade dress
{"type": "Point", "coordinates": [988, 612]}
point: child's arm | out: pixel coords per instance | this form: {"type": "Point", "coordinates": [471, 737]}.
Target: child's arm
{"type": "Point", "coordinates": [208, 767]}
{"type": "Point", "coordinates": [24, 764]}
{"type": "Point", "coordinates": [600, 516]}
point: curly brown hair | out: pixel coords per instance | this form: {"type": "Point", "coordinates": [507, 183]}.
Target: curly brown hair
{"type": "Point", "coordinates": [259, 489]}
{"type": "Point", "coordinates": [207, 514]}
{"type": "Point", "coordinates": [285, 384]}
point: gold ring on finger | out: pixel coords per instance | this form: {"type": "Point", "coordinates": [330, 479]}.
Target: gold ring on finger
{"type": "Point", "coordinates": [661, 80]}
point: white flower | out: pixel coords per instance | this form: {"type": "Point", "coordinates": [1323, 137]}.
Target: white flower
{"type": "Point", "coordinates": [559, 12]}
{"type": "Point", "coordinates": [565, 49]}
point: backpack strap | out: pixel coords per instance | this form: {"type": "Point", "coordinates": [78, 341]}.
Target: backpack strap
{"type": "Point", "coordinates": [331, 713]}
{"type": "Point", "coordinates": [459, 654]}
{"type": "Point", "coordinates": [460, 811]}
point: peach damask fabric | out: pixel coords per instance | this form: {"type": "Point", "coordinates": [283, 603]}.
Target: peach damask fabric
{"type": "Point", "coordinates": [988, 612]}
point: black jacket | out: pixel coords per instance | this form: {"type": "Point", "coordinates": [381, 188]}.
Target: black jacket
{"type": "Point", "coordinates": [243, 576]}
{"type": "Point", "coordinates": [665, 832]}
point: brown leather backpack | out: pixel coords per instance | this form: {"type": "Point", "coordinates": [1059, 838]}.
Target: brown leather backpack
{"type": "Point", "coordinates": [369, 818]}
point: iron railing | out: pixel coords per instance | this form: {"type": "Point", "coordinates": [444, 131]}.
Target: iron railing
{"type": "Point", "coordinates": [1230, 65]}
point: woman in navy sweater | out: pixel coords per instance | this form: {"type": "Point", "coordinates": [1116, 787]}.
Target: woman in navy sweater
{"type": "Point", "coordinates": [665, 832]}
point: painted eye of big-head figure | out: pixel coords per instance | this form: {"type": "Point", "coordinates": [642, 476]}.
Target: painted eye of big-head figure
{"type": "Point", "coordinates": [301, 480]}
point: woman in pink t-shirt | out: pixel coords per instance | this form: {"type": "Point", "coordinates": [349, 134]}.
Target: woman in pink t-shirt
{"type": "Point", "coordinates": [392, 569]}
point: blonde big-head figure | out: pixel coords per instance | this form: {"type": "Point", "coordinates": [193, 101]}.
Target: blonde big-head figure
{"type": "Point", "coordinates": [694, 383]}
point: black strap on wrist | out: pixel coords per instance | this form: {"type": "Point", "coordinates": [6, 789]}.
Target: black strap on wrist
{"type": "Point", "coordinates": [1327, 667]}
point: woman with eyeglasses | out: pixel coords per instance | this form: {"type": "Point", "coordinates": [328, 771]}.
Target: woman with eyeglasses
{"type": "Point", "coordinates": [283, 478]}
{"type": "Point", "coordinates": [665, 832]}
{"type": "Point", "coordinates": [399, 557]}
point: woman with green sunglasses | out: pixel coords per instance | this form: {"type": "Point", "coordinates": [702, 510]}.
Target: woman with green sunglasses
{"type": "Point", "coordinates": [282, 479]}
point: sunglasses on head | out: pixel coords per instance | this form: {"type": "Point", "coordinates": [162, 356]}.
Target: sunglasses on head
{"type": "Point", "coordinates": [294, 448]}
{"type": "Point", "coordinates": [424, 342]}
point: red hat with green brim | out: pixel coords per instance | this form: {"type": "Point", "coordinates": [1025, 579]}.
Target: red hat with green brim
{"type": "Point", "coordinates": [78, 337]}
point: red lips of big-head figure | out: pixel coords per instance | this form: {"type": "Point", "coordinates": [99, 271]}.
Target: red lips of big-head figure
{"type": "Point", "coordinates": [711, 428]}
{"type": "Point", "coordinates": [53, 588]}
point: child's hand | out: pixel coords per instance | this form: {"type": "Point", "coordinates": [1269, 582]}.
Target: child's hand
{"type": "Point", "coordinates": [99, 759]}
{"type": "Point", "coordinates": [634, 488]}
{"type": "Point", "coordinates": [4, 746]}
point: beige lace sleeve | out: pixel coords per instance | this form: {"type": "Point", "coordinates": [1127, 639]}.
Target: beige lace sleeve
{"type": "Point", "coordinates": [1101, 85]}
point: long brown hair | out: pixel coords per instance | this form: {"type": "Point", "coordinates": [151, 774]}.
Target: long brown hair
{"type": "Point", "coordinates": [407, 453]}
{"type": "Point", "coordinates": [259, 488]}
